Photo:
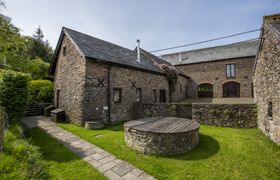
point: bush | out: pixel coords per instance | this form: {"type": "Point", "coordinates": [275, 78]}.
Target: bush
{"type": "Point", "coordinates": [14, 94]}
{"type": "Point", "coordinates": [20, 158]}
{"type": "Point", "coordinates": [41, 90]}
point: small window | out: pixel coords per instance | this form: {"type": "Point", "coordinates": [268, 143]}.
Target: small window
{"type": "Point", "coordinates": [269, 109]}
{"type": "Point", "coordinates": [57, 97]}
{"type": "Point", "coordinates": [117, 95]}
{"type": "Point", "coordinates": [64, 51]}
{"type": "Point", "coordinates": [138, 95]}
{"type": "Point", "coordinates": [162, 96]}
{"type": "Point", "coordinates": [181, 88]}
{"type": "Point", "coordinates": [230, 70]}
{"type": "Point", "coordinates": [154, 95]}
{"type": "Point", "coordinates": [205, 90]}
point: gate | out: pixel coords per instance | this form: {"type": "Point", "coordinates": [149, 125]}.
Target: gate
{"type": "Point", "coordinates": [184, 111]}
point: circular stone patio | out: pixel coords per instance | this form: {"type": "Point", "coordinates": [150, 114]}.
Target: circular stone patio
{"type": "Point", "coordinates": [162, 135]}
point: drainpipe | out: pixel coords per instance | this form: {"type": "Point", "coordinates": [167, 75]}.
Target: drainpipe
{"type": "Point", "coordinates": [109, 94]}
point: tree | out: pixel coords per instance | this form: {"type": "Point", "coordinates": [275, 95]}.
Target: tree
{"type": "Point", "coordinates": [39, 36]}
{"type": "Point", "coordinates": [2, 5]}
{"type": "Point", "coordinates": [23, 53]}
{"type": "Point", "coordinates": [40, 48]}
{"type": "Point", "coordinates": [13, 46]}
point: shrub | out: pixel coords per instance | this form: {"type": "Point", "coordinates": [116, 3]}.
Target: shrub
{"type": "Point", "coordinates": [20, 158]}
{"type": "Point", "coordinates": [14, 93]}
{"type": "Point", "coordinates": [41, 90]}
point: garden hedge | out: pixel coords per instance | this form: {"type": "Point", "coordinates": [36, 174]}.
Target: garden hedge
{"type": "Point", "coordinates": [14, 94]}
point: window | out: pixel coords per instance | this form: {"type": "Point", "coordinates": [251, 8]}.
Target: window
{"type": "Point", "coordinates": [57, 98]}
{"type": "Point", "coordinates": [269, 109]}
{"type": "Point", "coordinates": [162, 96]}
{"type": "Point", "coordinates": [181, 88]}
{"type": "Point", "coordinates": [154, 95]}
{"type": "Point", "coordinates": [138, 95]}
{"type": "Point", "coordinates": [230, 68]}
{"type": "Point", "coordinates": [231, 89]}
{"type": "Point", "coordinates": [205, 90]}
{"type": "Point", "coordinates": [64, 51]}
{"type": "Point", "coordinates": [117, 95]}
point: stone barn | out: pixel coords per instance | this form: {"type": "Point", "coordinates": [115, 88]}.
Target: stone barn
{"type": "Point", "coordinates": [218, 72]}
{"type": "Point", "coordinates": [95, 80]}
{"type": "Point", "coordinates": [267, 78]}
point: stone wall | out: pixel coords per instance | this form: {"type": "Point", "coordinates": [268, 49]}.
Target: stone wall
{"type": "Point", "coordinates": [179, 94]}
{"type": "Point", "coordinates": [214, 72]}
{"type": "Point", "coordinates": [96, 93]}
{"type": "Point", "coordinates": [266, 84]}
{"type": "Point", "coordinates": [70, 80]}
{"type": "Point", "coordinates": [146, 110]}
{"type": "Point", "coordinates": [225, 115]}
{"type": "Point", "coordinates": [95, 97]}
{"type": "Point", "coordinates": [159, 142]}
{"type": "Point", "coordinates": [124, 78]}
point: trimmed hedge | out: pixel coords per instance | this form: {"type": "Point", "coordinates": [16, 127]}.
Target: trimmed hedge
{"type": "Point", "coordinates": [41, 91]}
{"type": "Point", "coordinates": [14, 94]}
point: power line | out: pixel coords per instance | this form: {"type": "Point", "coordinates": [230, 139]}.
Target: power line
{"type": "Point", "coordinates": [200, 42]}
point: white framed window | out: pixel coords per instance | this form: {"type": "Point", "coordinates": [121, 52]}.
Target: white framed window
{"type": "Point", "coordinates": [230, 70]}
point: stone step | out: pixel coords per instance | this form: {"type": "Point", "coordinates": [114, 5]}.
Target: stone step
{"type": "Point", "coordinates": [94, 125]}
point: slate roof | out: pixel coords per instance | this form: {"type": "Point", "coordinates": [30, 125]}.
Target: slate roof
{"type": "Point", "coordinates": [103, 51]}
{"type": "Point", "coordinates": [235, 50]}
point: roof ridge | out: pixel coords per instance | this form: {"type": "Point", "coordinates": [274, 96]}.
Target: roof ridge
{"type": "Point", "coordinates": [66, 28]}
{"type": "Point", "coordinates": [211, 47]}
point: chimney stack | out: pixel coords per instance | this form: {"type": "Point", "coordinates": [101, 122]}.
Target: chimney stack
{"type": "Point", "coordinates": [138, 50]}
{"type": "Point", "coordinates": [180, 57]}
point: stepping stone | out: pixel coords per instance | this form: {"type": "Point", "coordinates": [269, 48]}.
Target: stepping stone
{"type": "Point", "coordinates": [122, 169]}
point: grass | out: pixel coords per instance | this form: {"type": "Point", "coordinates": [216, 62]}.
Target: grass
{"type": "Point", "coordinates": [223, 153]}
{"type": "Point", "coordinates": [60, 162]}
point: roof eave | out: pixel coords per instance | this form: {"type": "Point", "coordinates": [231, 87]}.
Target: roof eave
{"type": "Point", "coordinates": [123, 65]}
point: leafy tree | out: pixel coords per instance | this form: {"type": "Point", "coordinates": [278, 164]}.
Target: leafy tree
{"type": "Point", "coordinates": [37, 68]}
{"type": "Point", "coordinates": [13, 46]}
{"type": "Point", "coordinates": [15, 51]}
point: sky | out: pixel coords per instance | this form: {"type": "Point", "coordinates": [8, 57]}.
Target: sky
{"type": "Point", "coordinates": [157, 23]}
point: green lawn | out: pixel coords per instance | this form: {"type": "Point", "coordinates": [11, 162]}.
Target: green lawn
{"type": "Point", "coordinates": [223, 153]}
{"type": "Point", "coordinates": [59, 162]}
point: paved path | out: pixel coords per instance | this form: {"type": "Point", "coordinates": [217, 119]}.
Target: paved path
{"type": "Point", "coordinates": [100, 159]}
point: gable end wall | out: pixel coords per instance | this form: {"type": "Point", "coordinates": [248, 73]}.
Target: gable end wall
{"type": "Point", "coordinates": [267, 86]}
{"type": "Point", "coordinates": [69, 78]}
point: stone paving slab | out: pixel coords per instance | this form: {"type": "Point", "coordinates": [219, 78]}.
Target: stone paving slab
{"type": "Point", "coordinates": [103, 161]}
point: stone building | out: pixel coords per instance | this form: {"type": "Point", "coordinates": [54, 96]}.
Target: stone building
{"type": "Point", "coordinates": [216, 72]}
{"type": "Point", "coordinates": [267, 78]}
{"type": "Point", "coordinates": [95, 80]}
